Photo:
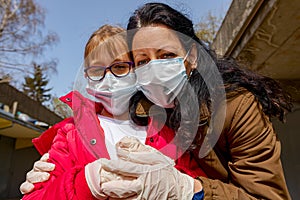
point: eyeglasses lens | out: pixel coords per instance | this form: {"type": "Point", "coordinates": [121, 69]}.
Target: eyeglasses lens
{"type": "Point", "coordinates": [120, 69]}
{"type": "Point", "coordinates": [117, 69]}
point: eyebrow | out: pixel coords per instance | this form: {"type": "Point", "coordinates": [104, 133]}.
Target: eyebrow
{"type": "Point", "coordinates": [119, 60]}
{"type": "Point", "coordinates": [140, 54]}
{"type": "Point", "coordinates": [163, 48]}
{"type": "Point", "coordinates": [170, 48]}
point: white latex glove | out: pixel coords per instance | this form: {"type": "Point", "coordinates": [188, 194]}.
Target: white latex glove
{"type": "Point", "coordinates": [96, 176]}
{"type": "Point", "coordinates": [131, 149]}
{"type": "Point", "coordinates": [157, 178]}
{"type": "Point", "coordinates": [39, 173]}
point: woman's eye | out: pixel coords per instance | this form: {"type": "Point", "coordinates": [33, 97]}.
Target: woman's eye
{"type": "Point", "coordinates": [167, 55]}
{"type": "Point", "coordinates": [141, 63]}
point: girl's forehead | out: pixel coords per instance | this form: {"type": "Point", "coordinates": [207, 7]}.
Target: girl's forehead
{"type": "Point", "coordinates": [104, 56]}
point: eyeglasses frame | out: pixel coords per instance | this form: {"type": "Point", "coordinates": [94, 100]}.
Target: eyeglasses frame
{"type": "Point", "coordinates": [131, 65]}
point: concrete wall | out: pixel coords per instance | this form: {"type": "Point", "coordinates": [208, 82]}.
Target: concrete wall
{"type": "Point", "coordinates": [289, 135]}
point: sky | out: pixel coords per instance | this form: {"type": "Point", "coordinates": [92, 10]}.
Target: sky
{"type": "Point", "coordinates": [75, 20]}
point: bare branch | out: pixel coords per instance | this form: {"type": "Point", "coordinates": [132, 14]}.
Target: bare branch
{"type": "Point", "coordinates": [22, 35]}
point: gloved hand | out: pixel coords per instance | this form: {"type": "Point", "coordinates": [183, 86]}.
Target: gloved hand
{"type": "Point", "coordinates": [157, 178]}
{"type": "Point", "coordinates": [39, 173]}
{"type": "Point", "coordinates": [96, 176]}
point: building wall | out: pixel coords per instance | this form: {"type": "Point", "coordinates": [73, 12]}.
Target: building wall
{"type": "Point", "coordinates": [14, 166]}
{"type": "Point", "coordinates": [289, 136]}
{"type": "Point", "coordinates": [15, 163]}
{"type": "Point", "coordinates": [9, 95]}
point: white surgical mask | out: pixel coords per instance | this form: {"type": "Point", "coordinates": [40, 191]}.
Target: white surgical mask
{"type": "Point", "coordinates": [162, 80]}
{"type": "Point", "coordinates": [113, 92]}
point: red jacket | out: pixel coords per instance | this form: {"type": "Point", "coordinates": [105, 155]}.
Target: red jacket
{"type": "Point", "coordinates": [71, 151]}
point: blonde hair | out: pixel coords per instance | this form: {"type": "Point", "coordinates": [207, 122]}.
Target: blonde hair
{"type": "Point", "coordinates": [107, 38]}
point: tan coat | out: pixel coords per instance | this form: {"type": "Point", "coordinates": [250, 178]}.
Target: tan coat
{"type": "Point", "coordinates": [245, 162]}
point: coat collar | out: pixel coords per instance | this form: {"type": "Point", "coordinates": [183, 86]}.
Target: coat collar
{"type": "Point", "coordinates": [69, 100]}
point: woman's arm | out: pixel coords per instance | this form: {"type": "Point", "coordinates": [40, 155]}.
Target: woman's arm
{"type": "Point", "coordinates": [255, 170]}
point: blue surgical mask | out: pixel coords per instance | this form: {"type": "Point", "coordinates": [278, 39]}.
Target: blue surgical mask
{"type": "Point", "coordinates": [113, 92]}
{"type": "Point", "coordinates": [162, 80]}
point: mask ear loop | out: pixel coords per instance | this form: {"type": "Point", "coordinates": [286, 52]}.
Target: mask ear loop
{"type": "Point", "coordinates": [185, 57]}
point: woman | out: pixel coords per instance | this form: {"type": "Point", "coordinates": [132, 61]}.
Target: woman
{"type": "Point", "coordinates": [75, 144]}
{"type": "Point", "coordinates": [245, 161]}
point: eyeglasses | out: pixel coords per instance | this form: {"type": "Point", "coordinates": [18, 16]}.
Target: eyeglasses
{"type": "Point", "coordinates": [118, 69]}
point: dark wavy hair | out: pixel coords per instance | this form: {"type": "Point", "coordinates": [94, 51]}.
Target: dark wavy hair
{"type": "Point", "coordinates": [275, 102]}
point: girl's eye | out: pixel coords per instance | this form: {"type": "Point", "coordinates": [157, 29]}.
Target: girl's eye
{"type": "Point", "coordinates": [167, 55]}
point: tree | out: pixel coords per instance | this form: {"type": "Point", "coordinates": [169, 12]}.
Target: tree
{"type": "Point", "coordinates": [22, 36]}
{"type": "Point", "coordinates": [208, 27]}
{"type": "Point", "coordinates": [35, 86]}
